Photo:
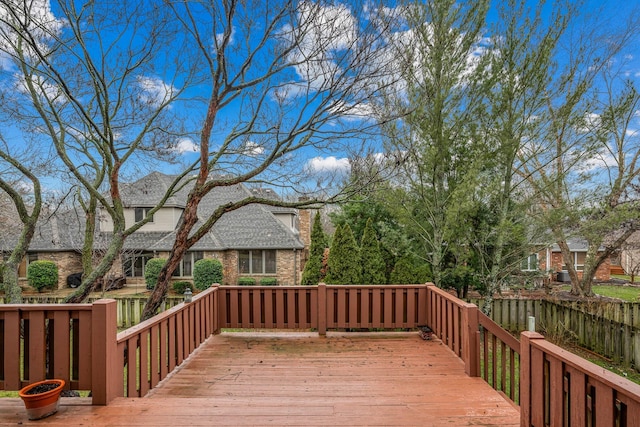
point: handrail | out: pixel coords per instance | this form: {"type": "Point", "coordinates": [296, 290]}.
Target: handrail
{"type": "Point", "coordinates": [560, 388]}
{"type": "Point", "coordinates": [149, 351]}
{"type": "Point", "coordinates": [323, 307]}
{"type": "Point", "coordinates": [499, 357]}
{"type": "Point", "coordinates": [455, 322]}
{"type": "Point", "coordinates": [80, 343]}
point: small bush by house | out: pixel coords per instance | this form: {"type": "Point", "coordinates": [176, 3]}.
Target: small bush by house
{"type": "Point", "coordinates": [42, 275]}
{"type": "Point", "coordinates": [246, 281]}
{"type": "Point", "coordinates": [206, 272]}
{"type": "Point", "coordinates": [268, 281]}
{"type": "Point", "coordinates": [180, 286]}
{"type": "Point", "coordinates": [152, 271]}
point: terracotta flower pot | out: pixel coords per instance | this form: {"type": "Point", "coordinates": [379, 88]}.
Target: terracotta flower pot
{"type": "Point", "coordinates": [40, 405]}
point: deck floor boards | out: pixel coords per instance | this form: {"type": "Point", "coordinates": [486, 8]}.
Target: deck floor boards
{"type": "Point", "coordinates": [302, 379]}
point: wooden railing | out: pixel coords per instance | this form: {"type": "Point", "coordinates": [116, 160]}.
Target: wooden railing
{"type": "Point", "coordinates": [558, 388]}
{"type": "Point", "coordinates": [323, 307]}
{"type": "Point", "coordinates": [455, 322]}
{"type": "Point", "coordinates": [129, 308]}
{"type": "Point", "coordinates": [80, 343]}
{"type": "Point", "coordinates": [56, 341]}
{"type": "Point", "coordinates": [149, 351]}
{"type": "Point", "coordinates": [553, 387]}
{"type": "Point", "coordinates": [499, 358]}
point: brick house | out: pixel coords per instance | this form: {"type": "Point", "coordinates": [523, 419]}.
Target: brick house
{"type": "Point", "coordinates": [550, 259]}
{"type": "Point", "coordinates": [254, 241]}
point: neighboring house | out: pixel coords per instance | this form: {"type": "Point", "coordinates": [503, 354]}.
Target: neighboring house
{"type": "Point", "coordinates": [629, 257]}
{"type": "Point", "coordinates": [550, 260]}
{"type": "Point", "coordinates": [253, 241]}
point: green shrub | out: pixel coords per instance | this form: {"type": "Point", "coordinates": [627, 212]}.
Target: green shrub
{"type": "Point", "coordinates": [42, 275]}
{"type": "Point", "coordinates": [206, 272]}
{"type": "Point", "coordinates": [152, 271]}
{"type": "Point", "coordinates": [268, 281]}
{"type": "Point", "coordinates": [312, 273]}
{"type": "Point", "coordinates": [179, 287]}
{"type": "Point", "coordinates": [403, 272]}
{"type": "Point", "coordinates": [344, 266]}
{"type": "Point", "coordinates": [246, 281]}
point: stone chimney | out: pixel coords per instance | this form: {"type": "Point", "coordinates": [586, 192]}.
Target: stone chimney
{"type": "Point", "coordinates": [305, 222]}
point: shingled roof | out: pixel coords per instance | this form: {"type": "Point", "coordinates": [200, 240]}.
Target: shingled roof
{"type": "Point", "coordinates": [250, 227]}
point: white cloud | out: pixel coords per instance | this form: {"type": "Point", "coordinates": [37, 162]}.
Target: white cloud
{"type": "Point", "coordinates": [590, 121]}
{"type": "Point", "coordinates": [632, 132]}
{"type": "Point", "coordinates": [185, 145]}
{"type": "Point", "coordinates": [600, 161]}
{"type": "Point", "coordinates": [220, 37]}
{"type": "Point", "coordinates": [253, 149]}
{"type": "Point", "coordinates": [39, 20]}
{"type": "Point", "coordinates": [155, 92]}
{"type": "Point", "coordinates": [328, 165]}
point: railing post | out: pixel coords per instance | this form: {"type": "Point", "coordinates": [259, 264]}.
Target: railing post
{"type": "Point", "coordinates": [525, 376]}
{"type": "Point", "coordinates": [322, 309]}
{"type": "Point", "coordinates": [470, 342]}
{"type": "Point", "coordinates": [430, 314]}
{"type": "Point", "coordinates": [104, 347]}
{"type": "Point", "coordinates": [215, 316]}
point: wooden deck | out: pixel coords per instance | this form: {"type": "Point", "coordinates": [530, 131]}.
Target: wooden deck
{"type": "Point", "coordinates": [302, 379]}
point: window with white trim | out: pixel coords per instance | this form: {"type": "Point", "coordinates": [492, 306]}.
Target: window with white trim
{"type": "Point", "coordinates": [578, 261]}
{"type": "Point", "coordinates": [134, 265]}
{"type": "Point", "coordinates": [257, 262]}
{"type": "Point", "coordinates": [185, 268]}
{"type": "Point", "coordinates": [141, 213]}
{"type": "Point", "coordinates": [530, 263]}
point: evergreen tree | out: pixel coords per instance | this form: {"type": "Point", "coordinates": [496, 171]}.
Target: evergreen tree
{"type": "Point", "coordinates": [344, 258]}
{"type": "Point", "coordinates": [373, 265]}
{"type": "Point", "coordinates": [403, 272]}
{"type": "Point", "coordinates": [312, 274]}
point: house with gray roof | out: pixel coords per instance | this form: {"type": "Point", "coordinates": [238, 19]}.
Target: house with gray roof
{"type": "Point", "coordinates": [550, 259]}
{"type": "Point", "coordinates": [256, 241]}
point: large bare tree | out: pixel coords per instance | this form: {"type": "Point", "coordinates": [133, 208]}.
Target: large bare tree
{"type": "Point", "coordinates": [21, 207]}
{"type": "Point", "coordinates": [581, 158]}
{"type": "Point", "coordinates": [83, 81]}
{"type": "Point", "coordinates": [258, 90]}
{"type": "Point", "coordinates": [281, 80]}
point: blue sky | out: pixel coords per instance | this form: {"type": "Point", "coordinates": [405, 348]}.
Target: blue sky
{"type": "Point", "coordinates": [325, 160]}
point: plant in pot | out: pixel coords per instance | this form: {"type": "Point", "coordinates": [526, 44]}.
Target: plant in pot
{"type": "Point", "coordinates": [42, 398]}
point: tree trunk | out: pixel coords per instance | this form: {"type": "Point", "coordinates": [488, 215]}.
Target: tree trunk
{"type": "Point", "coordinates": [12, 291]}
{"type": "Point", "coordinates": [88, 281]}
{"type": "Point", "coordinates": [180, 247]}
{"type": "Point", "coordinates": [576, 285]}
{"type": "Point", "coordinates": [89, 237]}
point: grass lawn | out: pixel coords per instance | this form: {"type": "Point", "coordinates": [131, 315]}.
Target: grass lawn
{"type": "Point", "coordinates": [624, 277]}
{"type": "Point", "coordinates": [625, 293]}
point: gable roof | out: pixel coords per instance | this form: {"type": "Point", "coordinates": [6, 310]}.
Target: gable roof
{"type": "Point", "coordinates": [249, 227]}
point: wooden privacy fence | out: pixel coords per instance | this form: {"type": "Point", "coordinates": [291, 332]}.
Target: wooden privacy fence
{"type": "Point", "coordinates": [587, 324]}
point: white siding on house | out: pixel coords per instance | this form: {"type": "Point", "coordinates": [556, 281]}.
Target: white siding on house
{"type": "Point", "coordinates": [287, 219]}
{"type": "Point", "coordinates": [165, 219]}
